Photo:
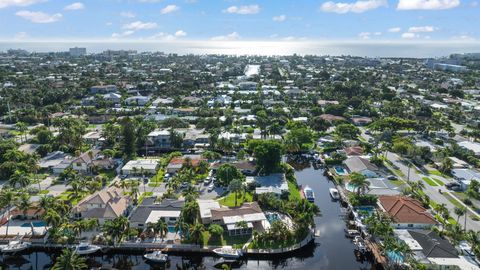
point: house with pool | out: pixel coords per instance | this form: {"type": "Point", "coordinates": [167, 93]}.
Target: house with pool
{"type": "Point", "coordinates": [362, 165]}
{"type": "Point", "coordinates": [150, 211]}
{"type": "Point", "coordinates": [28, 223]}
{"type": "Point", "coordinates": [406, 212]}
{"type": "Point", "coordinates": [231, 218]}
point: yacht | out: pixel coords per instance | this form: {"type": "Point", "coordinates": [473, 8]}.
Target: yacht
{"type": "Point", "coordinates": [334, 193]}
{"type": "Point", "coordinates": [308, 194]}
{"type": "Point", "coordinates": [228, 252]}
{"type": "Point", "coordinates": [156, 256]}
{"type": "Point", "coordinates": [360, 244]}
{"type": "Point", "coordinates": [351, 233]}
{"type": "Point", "coordinates": [85, 249]}
{"type": "Point", "coordinates": [15, 246]}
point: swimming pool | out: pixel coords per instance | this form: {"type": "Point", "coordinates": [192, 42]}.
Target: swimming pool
{"type": "Point", "coordinates": [171, 229]}
{"type": "Point", "coordinates": [35, 224]}
{"type": "Point", "coordinates": [271, 217]}
{"type": "Point", "coordinates": [340, 170]}
{"type": "Point", "coordinates": [395, 256]}
{"type": "Point", "coordinates": [365, 209]}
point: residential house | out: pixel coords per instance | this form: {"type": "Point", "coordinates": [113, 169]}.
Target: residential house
{"type": "Point", "coordinates": [229, 218]}
{"type": "Point", "coordinates": [353, 151]}
{"type": "Point", "coordinates": [362, 166]}
{"type": "Point", "coordinates": [361, 120]}
{"type": "Point", "coordinates": [137, 100]}
{"type": "Point", "coordinates": [150, 212]}
{"type": "Point", "coordinates": [103, 205]}
{"type": "Point", "coordinates": [274, 183]}
{"type": "Point", "coordinates": [472, 146]}
{"type": "Point", "coordinates": [406, 212]}
{"type": "Point", "coordinates": [138, 166]}
{"type": "Point", "coordinates": [176, 163]}
{"type": "Point", "coordinates": [103, 89]}
{"type": "Point", "coordinates": [465, 176]}
{"type": "Point", "coordinates": [56, 162]}
{"type": "Point", "coordinates": [90, 160]}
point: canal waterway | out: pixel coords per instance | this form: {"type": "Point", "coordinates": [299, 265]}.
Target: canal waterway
{"type": "Point", "coordinates": [330, 251]}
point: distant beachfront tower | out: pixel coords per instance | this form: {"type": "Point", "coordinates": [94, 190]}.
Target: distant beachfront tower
{"type": "Point", "coordinates": [77, 52]}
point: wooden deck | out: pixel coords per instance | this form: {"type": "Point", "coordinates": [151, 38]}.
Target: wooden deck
{"type": "Point", "coordinates": [377, 253]}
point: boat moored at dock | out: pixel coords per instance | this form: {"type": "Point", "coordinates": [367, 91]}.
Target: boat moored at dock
{"type": "Point", "coordinates": [156, 256]}
{"type": "Point", "coordinates": [308, 194]}
{"type": "Point", "coordinates": [334, 193]}
{"type": "Point", "coordinates": [85, 249]}
{"type": "Point", "coordinates": [15, 246]}
{"type": "Point", "coordinates": [228, 252]}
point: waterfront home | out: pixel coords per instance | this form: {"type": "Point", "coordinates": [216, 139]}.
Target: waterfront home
{"type": "Point", "coordinates": [103, 205]}
{"type": "Point", "coordinates": [430, 249]}
{"type": "Point", "coordinates": [23, 222]}
{"type": "Point", "coordinates": [229, 218]}
{"type": "Point", "coordinates": [465, 176]}
{"type": "Point", "coordinates": [273, 183]}
{"type": "Point", "coordinates": [246, 167]}
{"type": "Point", "coordinates": [205, 208]}
{"type": "Point", "coordinates": [91, 159]}
{"type": "Point", "coordinates": [150, 212]}
{"type": "Point", "coordinates": [406, 212]}
{"type": "Point", "coordinates": [362, 166]}
{"type": "Point", "coordinates": [139, 166]}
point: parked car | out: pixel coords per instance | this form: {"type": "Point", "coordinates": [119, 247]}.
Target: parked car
{"type": "Point", "coordinates": [392, 177]}
{"type": "Point", "coordinates": [207, 181]}
{"type": "Point", "coordinates": [211, 187]}
{"type": "Point", "coordinates": [452, 185]}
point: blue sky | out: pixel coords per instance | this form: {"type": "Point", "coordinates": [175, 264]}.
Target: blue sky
{"type": "Point", "coordinates": [224, 20]}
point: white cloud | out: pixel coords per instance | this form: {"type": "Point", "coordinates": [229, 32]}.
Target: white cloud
{"type": "Point", "coordinates": [21, 35]}
{"type": "Point", "coordinates": [123, 34]}
{"type": "Point", "coordinates": [279, 18]}
{"type": "Point", "coordinates": [127, 14]}
{"type": "Point", "coordinates": [422, 29]}
{"type": "Point", "coordinates": [38, 16]}
{"type": "Point", "coordinates": [169, 9]}
{"type": "Point", "coordinates": [229, 37]}
{"type": "Point", "coordinates": [75, 6]}
{"type": "Point", "coordinates": [394, 29]}
{"type": "Point", "coordinates": [21, 3]}
{"type": "Point", "coordinates": [139, 25]}
{"type": "Point", "coordinates": [410, 35]}
{"type": "Point", "coordinates": [364, 35]}
{"type": "Point", "coordinates": [427, 4]}
{"type": "Point", "coordinates": [243, 10]}
{"type": "Point", "coordinates": [180, 33]}
{"type": "Point", "coordinates": [377, 33]}
{"type": "Point", "coordinates": [356, 7]}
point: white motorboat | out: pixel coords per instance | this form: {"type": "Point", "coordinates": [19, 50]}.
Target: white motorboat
{"type": "Point", "coordinates": [334, 193]}
{"type": "Point", "coordinates": [156, 256]}
{"type": "Point", "coordinates": [86, 248]}
{"type": "Point", "coordinates": [228, 252]}
{"type": "Point", "coordinates": [308, 194]}
{"type": "Point", "coordinates": [352, 233]}
{"type": "Point", "coordinates": [360, 244]}
{"type": "Point", "coordinates": [16, 246]}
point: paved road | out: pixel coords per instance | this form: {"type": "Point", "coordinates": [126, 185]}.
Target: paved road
{"type": "Point", "coordinates": [432, 192]}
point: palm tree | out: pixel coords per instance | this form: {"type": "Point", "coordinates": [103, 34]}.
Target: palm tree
{"type": "Point", "coordinates": [460, 211]}
{"type": "Point", "coordinates": [19, 179]}
{"type": "Point", "coordinates": [446, 165]}
{"type": "Point", "coordinates": [236, 186]}
{"type": "Point", "coordinates": [161, 227]}
{"type": "Point", "coordinates": [473, 238]}
{"type": "Point", "coordinates": [190, 193]}
{"type": "Point", "coordinates": [215, 230]}
{"type": "Point", "coordinates": [69, 260]}
{"type": "Point", "coordinates": [24, 204]}
{"type": "Point", "coordinates": [52, 217]}
{"type": "Point", "coordinates": [22, 128]}
{"type": "Point", "coordinates": [360, 182]}
{"type": "Point", "coordinates": [7, 199]}
{"type": "Point", "coordinates": [195, 232]}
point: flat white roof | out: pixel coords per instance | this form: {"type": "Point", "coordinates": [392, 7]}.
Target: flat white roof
{"type": "Point", "coordinates": [141, 163]}
{"type": "Point", "coordinates": [405, 236]}
{"type": "Point", "coordinates": [248, 218]}
{"type": "Point", "coordinates": [206, 206]}
{"type": "Point", "coordinates": [155, 215]}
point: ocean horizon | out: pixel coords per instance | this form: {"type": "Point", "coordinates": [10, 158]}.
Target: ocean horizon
{"type": "Point", "coordinates": [427, 49]}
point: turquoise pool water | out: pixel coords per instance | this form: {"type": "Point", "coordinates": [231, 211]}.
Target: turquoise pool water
{"type": "Point", "coordinates": [369, 209]}
{"type": "Point", "coordinates": [35, 224]}
{"type": "Point", "coordinates": [271, 217]}
{"type": "Point", "coordinates": [395, 256]}
{"type": "Point", "coordinates": [171, 229]}
{"type": "Point", "coordinates": [340, 170]}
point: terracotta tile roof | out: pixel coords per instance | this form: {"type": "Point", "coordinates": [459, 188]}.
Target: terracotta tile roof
{"type": "Point", "coordinates": [354, 151]}
{"type": "Point", "coordinates": [406, 210]}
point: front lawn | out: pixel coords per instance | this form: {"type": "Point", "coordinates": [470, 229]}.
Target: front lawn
{"type": "Point", "coordinates": [229, 200]}
{"type": "Point", "coordinates": [430, 181]}
{"type": "Point", "coordinates": [224, 240]}
{"type": "Point", "coordinates": [438, 173]}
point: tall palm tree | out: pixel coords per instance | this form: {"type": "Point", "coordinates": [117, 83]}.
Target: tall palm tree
{"type": "Point", "coordinates": [360, 182]}
{"type": "Point", "coordinates": [195, 232]}
{"type": "Point", "coordinates": [52, 218]}
{"type": "Point", "coordinates": [181, 226]}
{"type": "Point", "coordinates": [190, 193]}
{"type": "Point", "coordinates": [69, 260]}
{"type": "Point", "coordinates": [235, 187]}
{"type": "Point", "coordinates": [7, 200]}
{"type": "Point", "coordinates": [19, 179]}
{"type": "Point", "coordinates": [161, 228]}
{"type": "Point", "coordinates": [460, 211]}
{"type": "Point", "coordinates": [24, 204]}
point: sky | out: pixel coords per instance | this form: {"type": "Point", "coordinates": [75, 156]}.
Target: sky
{"type": "Point", "coordinates": [238, 20]}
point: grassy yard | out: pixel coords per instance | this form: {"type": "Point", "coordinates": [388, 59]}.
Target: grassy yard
{"type": "Point", "coordinates": [453, 201]}
{"type": "Point", "coordinates": [65, 196]}
{"type": "Point", "coordinates": [430, 181]}
{"type": "Point", "coordinates": [158, 178]}
{"type": "Point", "coordinates": [43, 192]}
{"type": "Point", "coordinates": [294, 191]}
{"type": "Point", "coordinates": [224, 240]}
{"type": "Point", "coordinates": [144, 195]}
{"type": "Point", "coordinates": [438, 173]}
{"type": "Point", "coordinates": [397, 182]}
{"type": "Point", "coordinates": [229, 200]}
{"type": "Point", "coordinates": [399, 173]}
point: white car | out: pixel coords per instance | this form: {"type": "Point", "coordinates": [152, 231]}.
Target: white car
{"type": "Point", "coordinates": [211, 187]}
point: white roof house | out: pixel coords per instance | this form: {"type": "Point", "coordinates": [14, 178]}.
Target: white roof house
{"type": "Point", "coordinates": [475, 147]}
{"type": "Point", "coordinates": [147, 165]}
